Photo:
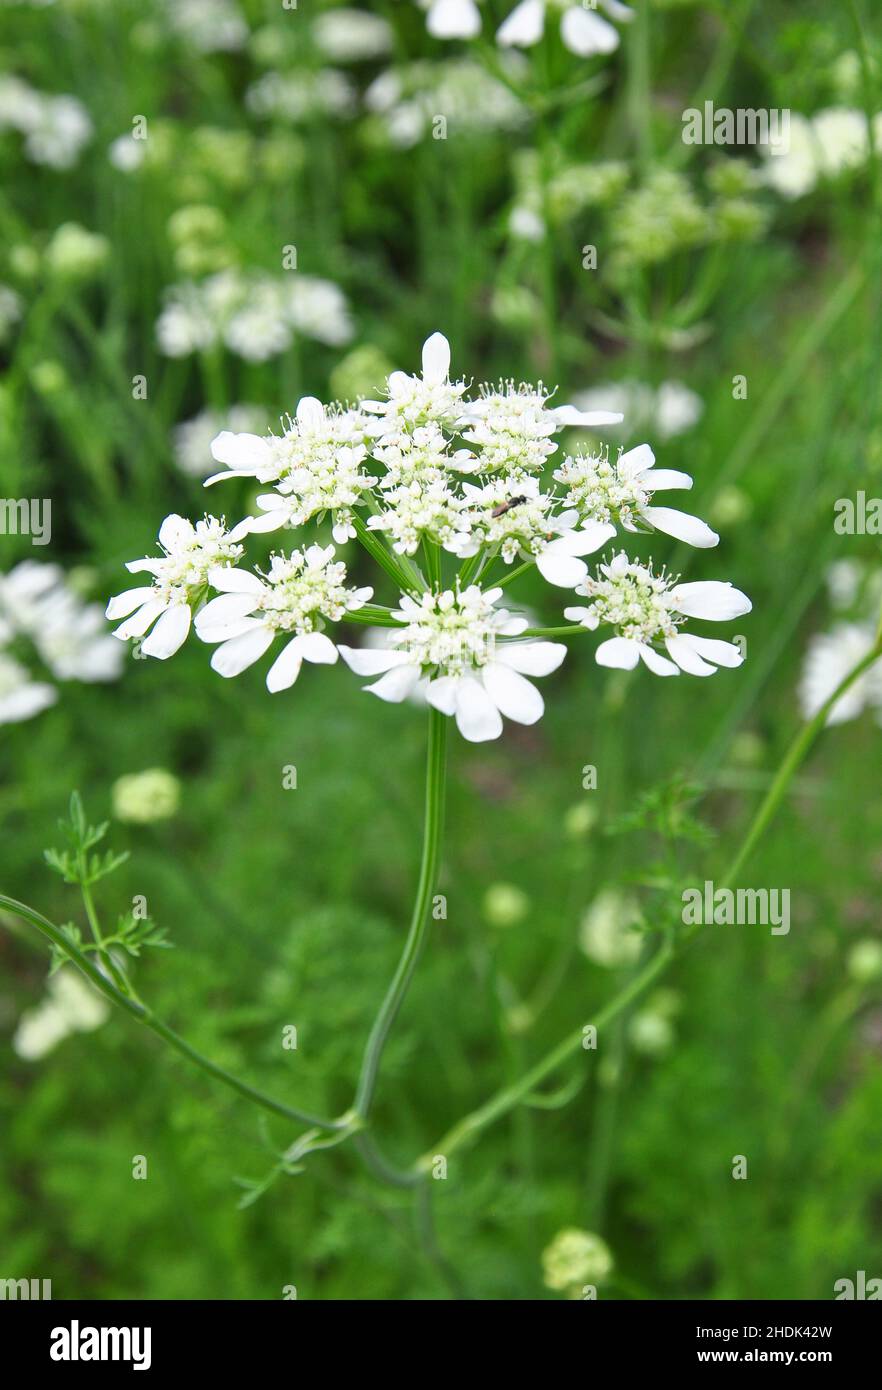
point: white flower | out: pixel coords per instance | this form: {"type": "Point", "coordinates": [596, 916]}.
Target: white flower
{"type": "Point", "coordinates": [143, 797]}
{"type": "Point", "coordinates": [431, 398]}
{"type": "Point", "coordinates": [72, 1005]}
{"type": "Point", "coordinates": [74, 643]}
{"type": "Point", "coordinates": [299, 96]}
{"type": "Point", "coordinates": [830, 657]}
{"type": "Point", "coordinates": [180, 577]}
{"type": "Point", "coordinates": [40, 603]}
{"type": "Point", "coordinates": [512, 426]}
{"type": "Point", "coordinates": [406, 101]}
{"type": "Point", "coordinates": [459, 648]}
{"type": "Point", "coordinates": [20, 696]}
{"type": "Point", "coordinates": [346, 35]}
{"type": "Point", "coordinates": [192, 439]}
{"type": "Point", "coordinates": [512, 516]}
{"type": "Point", "coordinates": [55, 128]}
{"type": "Point", "coordinates": [126, 153]}
{"type": "Point", "coordinates": [295, 598]}
{"type": "Point", "coordinates": [420, 509]}
{"type": "Point", "coordinates": [621, 492]}
{"type": "Point", "coordinates": [582, 31]}
{"type": "Point", "coordinates": [316, 466]}
{"type": "Point", "coordinates": [256, 315]}
{"type": "Point", "coordinates": [823, 146]}
{"type": "Point", "coordinates": [647, 610]}
{"type": "Point", "coordinates": [211, 26]}
{"type": "Point", "coordinates": [669, 410]}
{"type": "Point", "coordinates": [607, 933]}
{"type": "Point", "coordinates": [452, 19]}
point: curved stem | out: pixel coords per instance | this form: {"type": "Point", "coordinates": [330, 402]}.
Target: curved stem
{"type": "Point", "coordinates": [432, 831]}
{"type": "Point", "coordinates": [505, 1100]}
{"type": "Point", "coordinates": [144, 1015]}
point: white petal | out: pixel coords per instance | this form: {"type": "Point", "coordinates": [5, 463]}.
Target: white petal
{"type": "Point", "coordinates": [232, 581]}
{"type": "Point", "coordinates": [531, 658]}
{"type": "Point", "coordinates": [318, 648]}
{"type": "Point", "coordinates": [436, 359]}
{"type": "Point", "coordinates": [169, 634]}
{"type": "Point", "coordinates": [286, 667]}
{"type": "Point", "coordinates": [562, 570]}
{"type": "Point", "coordinates": [454, 19]}
{"type": "Point", "coordinates": [636, 461]}
{"type": "Point", "coordinates": [224, 609]}
{"type": "Point", "coordinates": [618, 652]}
{"type": "Point", "coordinates": [587, 419]}
{"type": "Point", "coordinates": [512, 695]}
{"type": "Point", "coordinates": [126, 603]}
{"type": "Point", "coordinates": [656, 663]}
{"type": "Point", "coordinates": [687, 658]}
{"type": "Point", "coordinates": [310, 412]}
{"type": "Point", "coordinates": [681, 526]}
{"type": "Point", "coordinates": [441, 694]}
{"type": "Point", "coordinates": [660, 479]}
{"type": "Point", "coordinates": [589, 537]}
{"type": "Point", "coordinates": [396, 685]}
{"type": "Point", "coordinates": [240, 652]}
{"type": "Point", "coordinates": [616, 10]}
{"type": "Point", "coordinates": [712, 599]}
{"type": "Point", "coordinates": [522, 29]}
{"type": "Point", "coordinates": [245, 453]}
{"type": "Point", "coordinates": [371, 661]}
{"type": "Point", "coordinates": [585, 33]}
{"type": "Point", "coordinates": [477, 717]}
{"type": "Point", "coordinates": [138, 623]}
{"type": "Point", "coordinates": [173, 530]}
{"type": "Point", "coordinates": [583, 616]}
{"type": "Point", "coordinates": [712, 649]}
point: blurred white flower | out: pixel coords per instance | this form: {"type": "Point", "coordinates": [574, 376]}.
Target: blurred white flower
{"type": "Point", "coordinates": [582, 30]}
{"type": "Point", "coordinates": [55, 128]}
{"type": "Point", "coordinates": [301, 96]}
{"type": "Point", "coordinates": [346, 35]}
{"type": "Point", "coordinates": [20, 696]}
{"type": "Point", "coordinates": [823, 146]}
{"type": "Point", "coordinates": [71, 1005]}
{"type": "Point", "coordinates": [407, 100]}
{"type": "Point", "coordinates": [192, 439]}
{"type": "Point", "coordinates": [830, 657]}
{"type": "Point", "coordinates": [668, 410]}
{"type": "Point", "coordinates": [452, 19]}
{"type": "Point", "coordinates": [254, 314]}
{"type": "Point", "coordinates": [10, 311]}
{"type": "Point", "coordinates": [126, 153]}
{"type": "Point", "coordinates": [575, 1259]}
{"type": "Point", "coordinates": [210, 26]}
{"type": "Point", "coordinates": [607, 934]}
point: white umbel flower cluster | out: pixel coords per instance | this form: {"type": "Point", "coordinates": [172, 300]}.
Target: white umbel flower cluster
{"type": "Point", "coordinates": [452, 493]}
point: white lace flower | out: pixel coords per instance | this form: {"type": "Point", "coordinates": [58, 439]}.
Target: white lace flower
{"type": "Point", "coordinates": [419, 400]}
{"type": "Point", "coordinates": [316, 466]}
{"type": "Point", "coordinates": [830, 657]}
{"type": "Point", "coordinates": [582, 31]}
{"type": "Point", "coordinates": [192, 439]}
{"type": "Point", "coordinates": [427, 508]}
{"type": "Point", "coordinates": [515, 518]}
{"type": "Point", "coordinates": [620, 492]}
{"type": "Point", "coordinates": [512, 426]}
{"type": "Point", "coordinates": [647, 610]}
{"type": "Point", "coordinates": [460, 648]}
{"type": "Point", "coordinates": [422, 456]}
{"type": "Point", "coordinates": [180, 575]}
{"type": "Point", "coordinates": [295, 598]}
{"type": "Point", "coordinates": [348, 35]}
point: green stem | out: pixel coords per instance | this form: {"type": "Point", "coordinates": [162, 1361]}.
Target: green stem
{"type": "Point", "coordinates": [466, 1129]}
{"type": "Point", "coordinates": [144, 1015]}
{"type": "Point", "coordinates": [432, 832]}
{"type": "Point", "coordinates": [404, 578]}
